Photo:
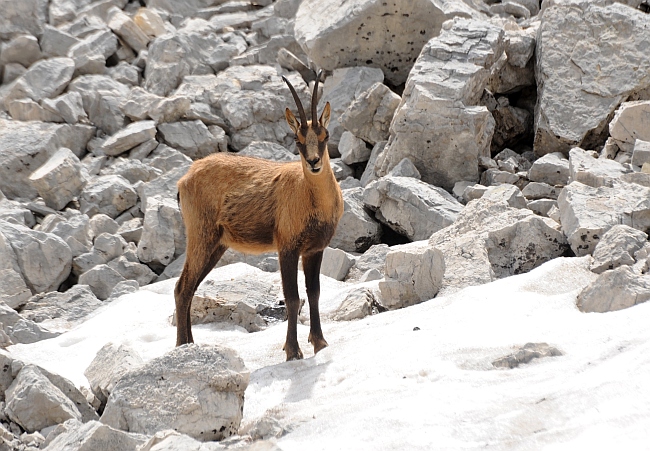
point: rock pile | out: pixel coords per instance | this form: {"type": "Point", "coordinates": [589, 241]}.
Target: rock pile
{"type": "Point", "coordinates": [471, 143]}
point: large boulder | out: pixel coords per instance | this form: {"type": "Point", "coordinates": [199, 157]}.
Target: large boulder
{"type": "Point", "coordinates": [595, 172]}
{"type": "Point", "coordinates": [387, 35]}
{"type": "Point", "coordinates": [357, 230]}
{"type": "Point", "coordinates": [614, 290]}
{"type": "Point", "coordinates": [13, 289]}
{"type": "Point", "coordinates": [60, 179]}
{"type": "Point", "coordinates": [90, 436]}
{"type": "Point", "coordinates": [107, 194]}
{"type": "Point", "coordinates": [28, 17]}
{"type": "Point", "coordinates": [439, 124]}
{"type": "Point", "coordinates": [197, 390]}
{"type": "Point", "coordinates": [576, 60]}
{"type": "Point", "coordinates": [617, 247]}
{"type": "Point", "coordinates": [163, 233]}
{"type": "Point", "coordinates": [43, 80]}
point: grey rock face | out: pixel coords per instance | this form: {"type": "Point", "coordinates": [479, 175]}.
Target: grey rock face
{"type": "Point", "coordinates": [23, 50]}
{"type": "Point", "coordinates": [411, 207]}
{"type": "Point", "coordinates": [566, 71]}
{"type": "Point", "coordinates": [208, 381]}
{"type": "Point", "coordinates": [356, 305]}
{"type": "Point", "coordinates": [429, 126]}
{"type": "Point", "coordinates": [369, 115]}
{"type": "Point", "coordinates": [107, 194]}
{"type": "Point", "coordinates": [374, 259]}
{"type": "Point", "coordinates": [21, 330]}
{"type": "Point", "coordinates": [131, 136]}
{"type": "Point", "coordinates": [163, 233]}
{"type": "Point", "coordinates": [595, 172]}
{"type": "Point", "coordinates": [336, 263]}
{"type": "Point", "coordinates": [13, 290]}
{"type": "Point", "coordinates": [45, 79]}
{"type": "Point", "coordinates": [59, 312]}
{"type": "Point", "coordinates": [59, 180]}
{"type": "Point", "coordinates": [615, 290]}
{"type": "Point", "coordinates": [27, 17]}
{"type": "Point", "coordinates": [101, 279]}
{"type": "Point", "coordinates": [356, 231]}
{"type": "Point", "coordinates": [192, 138]}
{"type": "Point", "coordinates": [353, 149]}
{"type": "Point", "coordinates": [92, 435]}
{"type": "Point", "coordinates": [526, 354]}
{"type": "Point", "coordinates": [617, 248]}
{"type": "Point", "coordinates": [552, 168]}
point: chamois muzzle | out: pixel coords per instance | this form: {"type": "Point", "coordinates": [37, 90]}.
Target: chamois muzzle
{"type": "Point", "coordinates": [313, 163]}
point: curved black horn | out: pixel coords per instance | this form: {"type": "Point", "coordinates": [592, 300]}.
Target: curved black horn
{"type": "Point", "coordinates": [314, 100]}
{"type": "Point", "coordinates": [301, 111]}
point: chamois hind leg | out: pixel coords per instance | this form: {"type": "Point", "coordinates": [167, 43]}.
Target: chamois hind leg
{"type": "Point", "coordinates": [201, 258]}
{"type": "Point", "coordinates": [311, 265]}
{"type": "Point", "coordinates": [289, 271]}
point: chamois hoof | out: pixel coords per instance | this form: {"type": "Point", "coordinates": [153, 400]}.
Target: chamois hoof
{"type": "Point", "coordinates": [292, 354]}
{"type": "Point", "coordinates": [318, 342]}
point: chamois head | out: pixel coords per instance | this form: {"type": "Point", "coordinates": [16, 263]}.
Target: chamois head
{"type": "Point", "coordinates": [311, 136]}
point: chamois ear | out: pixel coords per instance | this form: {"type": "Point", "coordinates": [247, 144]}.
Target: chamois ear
{"type": "Point", "coordinates": [292, 121]}
{"type": "Point", "coordinates": [325, 116]}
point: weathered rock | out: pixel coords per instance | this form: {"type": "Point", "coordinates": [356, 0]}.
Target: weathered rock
{"type": "Point", "coordinates": [22, 49]}
{"type": "Point", "coordinates": [564, 71]}
{"type": "Point", "coordinates": [414, 273]}
{"type": "Point", "coordinates": [493, 177]}
{"type": "Point", "coordinates": [164, 185]}
{"type": "Point", "coordinates": [74, 230]}
{"type": "Point", "coordinates": [170, 440]}
{"type": "Point", "coordinates": [614, 290]}
{"type": "Point", "coordinates": [69, 106]}
{"type": "Point", "coordinates": [268, 151]}
{"type": "Point", "coordinates": [44, 259]}
{"type": "Point", "coordinates": [509, 194]}
{"type": "Point", "coordinates": [90, 436]}
{"type": "Point", "coordinates": [192, 138]}
{"type": "Point", "coordinates": [133, 271]}
{"type": "Point", "coordinates": [539, 190]}
{"type": "Point", "coordinates": [356, 305]}
{"type": "Point", "coordinates": [630, 123]}
{"type": "Point", "coordinates": [19, 329]}
{"type": "Point", "coordinates": [542, 207]}
{"type": "Point", "coordinates": [341, 170]}
{"type": "Point", "coordinates": [437, 115]}
{"type": "Point", "coordinates": [526, 354]}
{"type": "Point", "coordinates": [617, 248]}
{"type": "Point", "coordinates": [124, 287]}
{"type": "Point", "coordinates": [101, 279]}
{"type": "Point", "coordinates": [126, 139]}
{"type": "Point", "coordinates": [125, 73]}
{"type": "Point", "coordinates": [109, 246]}
{"type": "Point", "coordinates": [131, 230]}
{"type": "Point", "coordinates": [405, 168]}
{"type": "Point", "coordinates": [336, 263]}
{"type": "Point", "coordinates": [13, 290]}
{"type": "Point", "coordinates": [60, 179]}
{"type": "Point", "coordinates": [150, 22]}
{"type": "Point", "coordinates": [512, 124]}
{"type": "Point", "coordinates": [163, 233]}
{"type": "Point", "coordinates": [370, 114]}
{"type": "Point", "coordinates": [356, 230]}
{"type": "Point", "coordinates": [169, 109]}
{"type": "Point", "coordinates": [128, 30]}
{"type": "Point", "coordinates": [109, 365]}
{"type": "Point", "coordinates": [56, 42]}
{"type": "Point", "coordinates": [372, 260]}
{"type": "Point", "coordinates": [100, 223]}
{"type": "Point", "coordinates": [208, 381]}
{"type": "Point", "coordinates": [411, 207]}
{"type": "Point", "coordinates": [91, 53]}
{"type": "Point", "coordinates": [27, 17]}
{"type": "Point", "coordinates": [552, 168]}
{"type": "Point", "coordinates": [132, 170]}
{"type": "Point", "coordinates": [102, 97]}
{"type": "Point", "coordinates": [371, 32]}
{"type": "Point", "coordinates": [45, 79]}
{"type": "Point", "coordinates": [370, 173]}
{"type": "Point", "coordinates": [641, 153]}
{"type": "Point", "coordinates": [267, 261]}
{"type": "Point", "coordinates": [586, 213]}
{"type": "Point", "coordinates": [107, 194]}
{"type": "Point", "coordinates": [595, 172]}
{"type": "Point", "coordinates": [352, 149]}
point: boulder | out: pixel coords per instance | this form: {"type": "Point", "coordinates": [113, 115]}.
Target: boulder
{"type": "Point", "coordinates": [552, 168]}
{"type": "Point", "coordinates": [27, 17]}
{"type": "Point", "coordinates": [19, 329]}
{"type": "Point", "coordinates": [60, 179]}
{"type": "Point", "coordinates": [45, 79]}
{"type": "Point", "coordinates": [93, 435]}
{"type": "Point", "coordinates": [267, 261]}
{"type": "Point", "coordinates": [193, 138]}
{"type": "Point", "coordinates": [336, 263]}
{"type": "Point", "coordinates": [387, 35]}
{"type": "Point", "coordinates": [129, 137]}
{"type": "Point", "coordinates": [123, 26]}
{"type": "Point", "coordinates": [371, 261]}
{"type": "Point", "coordinates": [594, 172]}
{"type": "Point", "coordinates": [92, 51]}
{"type": "Point", "coordinates": [439, 112]}
{"type": "Point", "coordinates": [613, 290]}
{"type": "Point", "coordinates": [630, 123]}
{"type": "Point", "coordinates": [170, 440]}
{"type": "Point", "coordinates": [542, 207]}
{"type": "Point", "coordinates": [406, 168]}
{"type": "Point", "coordinates": [13, 290]}
{"type": "Point", "coordinates": [131, 230]}
{"type": "Point", "coordinates": [107, 194]}
{"type": "Point", "coordinates": [352, 149]}
{"type": "Point", "coordinates": [28, 110]}
{"type": "Point", "coordinates": [566, 71]}
{"type": "Point", "coordinates": [101, 279]}
{"type": "Point", "coordinates": [133, 271]}
{"type": "Point", "coordinates": [509, 194]}
{"type": "Point", "coordinates": [586, 213]}
{"type": "Point", "coordinates": [411, 207]}
{"type": "Point", "coordinates": [268, 151]}
{"type": "Point", "coordinates": [163, 233]}
{"type": "Point", "coordinates": [100, 223]}
{"type": "Point", "coordinates": [492, 177]}
{"type": "Point", "coordinates": [56, 42]}
{"type": "Point", "coordinates": [164, 185]}
{"type": "Point", "coordinates": [356, 231]}
{"type": "Point", "coordinates": [539, 190]}
{"type": "Point", "coordinates": [370, 173]}
{"type": "Point", "coordinates": [68, 106]}
{"type": "Point", "coordinates": [526, 354]}
{"type": "Point", "coordinates": [132, 170]}
{"type": "Point", "coordinates": [641, 153]}
{"type": "Point", "coordinates": [150, 22]}
{"type": "Point", "coordinates": [207, 381]}
{"type": "Point", "coordinates": [358, 303]}
{"type": "Point", "coordinates": [617, 248]}
{"type": "Point", "coordinates": [73, 229]}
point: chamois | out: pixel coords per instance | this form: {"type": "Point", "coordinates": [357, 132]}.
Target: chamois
{"type": "Point", "coordinates": [253, 206]}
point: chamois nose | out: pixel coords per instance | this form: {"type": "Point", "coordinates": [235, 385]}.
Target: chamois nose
{"type": "Point", "coordinates": [313, 162]}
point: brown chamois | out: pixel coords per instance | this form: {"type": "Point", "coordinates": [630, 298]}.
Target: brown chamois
{"type": "Point", "coordinates": [254, 206]}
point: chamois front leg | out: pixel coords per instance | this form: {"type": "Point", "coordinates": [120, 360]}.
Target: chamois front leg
{"type": "Point", "coordinates": [289, 271]}
{"type": "Point", "coordinates": [311, 266]}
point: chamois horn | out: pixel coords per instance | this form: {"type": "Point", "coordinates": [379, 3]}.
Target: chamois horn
{"type": "Point", "coordinates": [314, 100]}
{"type": "Point", "coordinates": [301, 111]}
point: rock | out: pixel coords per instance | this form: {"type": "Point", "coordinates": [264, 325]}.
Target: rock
{"type": "Point", "coordinates": [109, 246]}
{"type": "Point", "coordinates": [13, 290]}
{"type": "Point", "coordinates": [510, 8]}
{"type": "Point", "coordinates": [132, 170]}
{"type": "Point", "coordinates": [28, 17]}
{"type": "Point", "coordinates": [370, 173]}
{"type": "Point", "coordinates": [192, 138]}
{"type": "Point", "coordinates": [56, 42]}
{"type": "Point", "coordinates": [28, 110]}
{"type": "Point", "coordinates": [126, 139]}
{"type": "Point", "coordinates": [138, 103]}
{"type": "Point", "coordinates": [19, 329]}
{"type": "Point", "coordinates": [208, 381]}
{"type": "Point", "coordinates": [405, 168]}
{"type": "Point", "coordinates": [340, 34]}
{"type": "Point", "coordinates": [23, 49]}
{"type": "Point", "coordinates": [614, 290]}
{"type": "Point", "coordinates": [356, 305]}
{"type": "Point", "coordinates": [133, 271]}
{"type": "Point", "coordinates": [630, 123]}
{"type": "Point", "coordinates": [526, 354]}
{"type": "Point", "coordinates": [131, 230]}
{"type": "Point", "coordinates": [74, 230]}
{"type": "Point", "coordinates": [44, 259]}
{"type": "Point", "coordinates": [150, 22]}
{"type": "Point", "coordinates": [492, 177]}
{"type": "Point", "coordinates": [128, 30]}
{"type": "Point", "coordinates": [169, 440]}
{"type": "Point", "coordinates": [163, 233]}
{"type": "Point", "coordinates": [11, 72]}
{"type": "Point", "coordinates": [438, 113]}
{"type": "Point", "coordinates": [169, 109]}
{"type": "Point", "coordinates": [617, 248]}
{"type": "Point", "coordinates": [512, 124]}
{"type": "Point", "coordinates": [352, 149]}
{"type": "Point", "coordinates": [349, 182]}
{"type": "Point", "coordinates": [59, 312]}
{"type": "Point", "coordinates": [92, 435]}
{"type": "Point", "coordinates": [267, 261]}
{"type": "Point", "coordinates": [414, 273]}
{"type": "Point", "coordinates": [595, 172]}
{"type": "Point", "coordinates": [101, 279]}
{"type": "Point", "coordinates": [341, 170]}
{"type": "Point", "coordinates": [509, 194]}
{"type": "Point", "coordinates": [59, 180]}
{"type": "Point", "coordinates": [125, 73]}
{"type": "Point", "coordinates": [268, 151]}
{"type": "Point", "coordinates": [164, 185]}
{"type": "Point", "coordinates": [539, 190]}
{"type": "Point", "coordinates": [641, 153]}
{"type": "Point", "coordinates": [356, 230]}
{"type": "Point", "coordinates": [109, 365]}
{"type": "Point", "coordinates": [586, 213]}
{"type": "Point", "coordinates": [107, 194]}
{"type": "Point", "coordinates": [411, 207]}
{"type": "Point", "coordinates": [100, 223]}
{"type": "Point", "coordinates": [69, 106]}
{"type": "Point", "coordinates": [552, 168]}
{"type": "Point", "coordinates": [336, 263]}
{"type": "Point", "coordinates": [542, 207]}
{"type": "Point", "coordinates": [374, 259]}
{"type": "Point", "coordinates": [341, 90]}
{"type": "Point", "coordinates": [142, 151]}
{"type": "Point", "coordinates": [369, 115]}
{"type": "Point", "coordinates": [123, 288]}
{"type": "Point", "coordinates": [36, 403]}
{"type": "Point", "coordinates": [90, 53]}
{"type": "Point", "coordinates": [565, 71]}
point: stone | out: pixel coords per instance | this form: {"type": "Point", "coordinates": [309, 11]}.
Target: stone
{"type": "Point", "coordinates": [170, 440]}
{"type": "Point", "coordinates": [107, 194]}
{"type": "Point", "coordinates": [192, 138]}
{"type": "Point", "coordinates": [60, 179]}
{"type": "Point", "coordinates": [28, 110]}
{"type": "Point", "coordinates": [169, 109]}
{"type": "Point", "coordinates": [100, 223]}
{"type": "Point", "coordinates": [128, 30]}
{"type": "Point", "coordinates": [406, 168]}
{"type": "Point", "coordinates": [473, 192]}
{"type": "Point", "coordinates": [540, 190]}
{"type": "Point", "coordinates": [414, 274]}
{"type": "Point", "coordinates": [268, 151]}
{"type": "Point", "coordinates": [341, 170]}
{"type": "Point", "coordinates": [74, 230]}
{"type": "Point", "coordinates": [133, 271]}
{"type": "Point", "coordinates": [102, 97]}
{"type": "Point", "coordinates": [101, 279]}
{"type": "Point", "coordinates": [267, 261]}
{"type": "Point", "coordinates": [94, 48]}
{"type": "Point", "coordinates": [542, 207]}
{"type": "Point", "coordinates": [357, 230]}
{"type": "Point", "coordinates": [13, 290]}
{"type": "Point", "coordinates": [336, 263]}
{"type": "Point", "coordinates": [411, 207]}
{"type": "Point", "coordinates": [595, 172]}
{"type": "Point", "coordinates": [613, 290]}
{"type": "Point", "coordinates": [11, 72]}
{"type": "Point", "coordinates": [357, 304]}
{"type": "Point", "coordinates": [23, 49]}
{"type": "Point", "coordinates": [164, 185]}
{"type": "Point", "coordinates": [586, 213]}
{"type": "Point", "coordinates": [641, 152]}
{"type": "Point", "coordinates": [27, 17]}
{"type": "Point", "coordinates": [150, 22]}
{"type": "Point", "coordinates": [138, 103]}
{"type": "Point", "coordinates": [123, 288]}
{"type": "Point", "coordinates": [44, 259]}
{"type": "Point", "coordinates": [131, 230]}
{"type": "Point", "coordinates": [492, 177]}
{"type": "Point", "coordinates": [36, 403]}
{"type": "Point", "coordinates": [60, 312]}
{"type": "Point", "coordinates": [163, 233]}
{"type": "Point", "coordinates": [125, 73]}
{"type": "Point", "coordinates": [56, 42]}
{"type": "Point", "coordinates": [526, 354]}
{"type": "Point", "coordinates": [440, 113]}
{"type": "Point", "coordinates": [132, 170]}
{"type": "Point", "coordinates": [208, 381]}
{"type": "Point", "coordinates": [509, 194]}
{"type": "Point", "coordinates": [369, 115]}
{"type": "Point", "coordinates": [566, 71]}
{"type": "Point", "coordinates": [512, 124]}
{"type": "Point", "coordinates": [552, 168]}
{"type": "Point", "coordinates": [352, 149]}
{"type": "Point", "coordinates": [617, 248]}
{"type": "Point", "coordinates": [69, 106]}
{"type": "Point", "coordinates": [370, 172]}
{"type": "Point", "coordinates": [126, 139]}
{"type": "Point", "coordinates": [92, 435]}
{"type": "Point", "coordinates": [109, 246]}
{"type": "Point", "coordinates": [45, 79]}
{"type": "Point", "coordinates": [374, 259]}
{"type": "Point", "coordinates": [21, 330]}
{"type": "Point", "coordinates": [143, 150]}
{"type": "Point", "coordinates": [630, 123]}
{"type": "Point", "coordinates": [109, 365]}
{"type": "Point", "coordinates": [339, 34]}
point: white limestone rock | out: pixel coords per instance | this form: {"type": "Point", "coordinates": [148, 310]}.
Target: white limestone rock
{"type": "Point", "coordinates": [45, 79]}
{"type": "Point", "coordinates": [336, 263]}
{"type": "Point", "coordinates": [373, 260]}
{"type": "Point", "coordinates": [163, 233]}
{"type": "Point", "coordinates": [641, 152]}
{"type": "Point", "coordinates": [28, 17]}
{"type": "Point", "coordinates": [357, 304]}
{"type": "Point", "coordinates": [540, 190]}
{"type": "Point", "coordinates": [60, 179]}
{"type": "Point", "coordinates": [207, 381]}
{"type": "Point", "coordinates": [21, 330]}
{"type": "Point", "coordinates": [542, 207]}
{"type": "Point", "coordinates": [192, 138]}
{"type": "Point", "coordinates": [552, 168]}
{"type": "Point", "coordinates": [370, 173]}
{"type": "Point", "coordinates": [630, 123]}
{"type": "Point", "coordinates": [69, 106]}
{"type": "Point", "coordinates": [357, 230]}
{"type": "Point", "coordinates": [617, 248]}
{"type": "Point", "coordinates": [509, 194]}
{"type": "Point", "coordinates": [352, 149]}
{"type": "Point", "coordinates": [107, 194]}
{"type": "Point", "coordinates": [13, 290]}
{"type": "Point", "coordinates": [370, 114]}
{"type": "Point", "coordinates": [74, 229]}
{"type": "Point", "coordinates": [595, 172]}
{"type": "Point", "coordinates": [107, 368]}
{"type": "Point", "coordinates": [406, 168]}
{"type": "Point", "coordinates": [92, 435]}
{"type": "Point", "coordinates": [128, 30]}
{"type": "Point", "coordinates": [131, 136]}
{"type": "Point", "coordinates": [614, 290]}
{"type": "Point", "coordinates": [268, 151]}
{"type": "Point", "coordinates": [101, 279]}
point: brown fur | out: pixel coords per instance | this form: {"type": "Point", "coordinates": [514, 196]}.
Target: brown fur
{"type": "Point", "coordinates": [254, 206]}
